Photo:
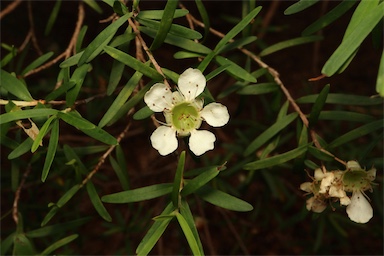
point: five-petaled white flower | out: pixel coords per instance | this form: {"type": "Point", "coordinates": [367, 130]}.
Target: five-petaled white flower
{"type": "Point", "coordinates": [184, 113]}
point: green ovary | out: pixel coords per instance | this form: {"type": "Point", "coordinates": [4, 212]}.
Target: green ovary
{"type": "Point", "coordinates": [185, 118]}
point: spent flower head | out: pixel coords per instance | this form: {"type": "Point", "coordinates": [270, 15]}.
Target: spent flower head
{"type": "Point", "coordinates": [334, 185]}
{"type": "Point", "coordinates": [184, 113]}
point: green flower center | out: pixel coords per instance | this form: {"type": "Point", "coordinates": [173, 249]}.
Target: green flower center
{"type": "Point", "coordinates": [185, 118]}
{"type": "Point", "coordinates": [356, 180]}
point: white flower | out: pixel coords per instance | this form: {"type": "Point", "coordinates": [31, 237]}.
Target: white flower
{"type": "Point", "coordinates": [326, 182]}
{"type": "Point", "coordinates": [359, 210]}
{"type": "Point", "coordinates": [184, 113]}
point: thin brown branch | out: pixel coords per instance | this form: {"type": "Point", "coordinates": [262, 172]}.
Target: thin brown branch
{"type": "Point", "coordinates": [32, 29]}
{"type": "Point", "coordinates": [268, 18]}
{"type": "Point", "coordinates": [11, 7]}
{"type": "Point", "coordinates": [146, 49]}
{"type": "Point", "coordinates": [106, 154]}
{"type": "Point", "coordinates": [71, 46]}
{"type": "Point", "coordinates": [15, 207]}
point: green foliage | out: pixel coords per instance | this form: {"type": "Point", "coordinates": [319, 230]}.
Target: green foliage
{"type": "Point", "coordinates": [76, 128]}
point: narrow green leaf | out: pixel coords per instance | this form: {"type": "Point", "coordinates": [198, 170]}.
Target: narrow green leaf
{"type": "Point", "coordinates": [68, 195]}
{"type": "Point", "coordinates": [80, 40]}
{"type": "Point", "coordinates": [235, 69]}
{"type": "Point", "coordinates": [43, 131]}
{"type": "Point", "coordinates": [230, 35]}
{"type": "Point", "coordinates": [93, 4]}
{"type": "Point", "coordinates": [177, 182]}
{"type": "Point", "coordinates": [130, 104]}
{"type": "Point", "coordinates": [14, 86]}
{"type": "Point", "coordinates": [121, 99]}
{"type": "Point", "coordinates": [186, 55]}
{"type": "Point", "coordinates": [61, 90]}
{"type": "Point", "coordinates": [165, 24]}
{"type": "Point", "coordinates": [353, 40]}
{"type": "Point", "coordinates": [100, 135]}
{"type": "Point", "coordinates": [380, 77]}
{"type": "Point", "coordinates": [6, 243]}
{"type": "Point", "coordinates": [71, 61]}
{"type": "Point", "coordinates": [77, 77]}
{"type": "Point", "coordinates": [199, 181]}
{"type": "Point", "coordinates": [155, 232]}
{"type": "Point", "coordinates": [36, 63]}
{"type": "Point", "coordinates": [275, 160]}
{"type": "Point", "coordinates": [318, 106]}
{"type": "Point", "coordinates": [119, 8]}
{"type": "Point", "coordinates": [72, 156]}
{"type": "Point", "coordinates": [143, 113]}
{"type": "Point", "coordinates": [299, 6]}
{"type": "Point", "coordinates": [329, 17]}
{"type": "Point", "coordinates": [56, 228]}
{"type": "Point", "coordinates": [223, 199]}
{"type": "Point", "coordinates": [216, 72]}
{"type": "Point", "coordinates": [95, 199]}
{"type": "Point", "coordinates": [50, 215]}
{"type": "Point", "coordinates": [345, 116]}
{"type": "Point", "coordinates": [51, 151]}
{"type": "Point", "coordinates": [23, 245]}
{"type": "Point", "coordinates": [121, 173]}
{"type": "Point", "coordinates": [28, 113]}
{"type": "Point", "coordinates": [176, 30]}
{"type": "Point", "coordinates": [188, 234]}
{"type": "Point", "coordinates": [21, 149]}
{"type": "Point", "coordinates": [187, 214]}
{"type": "Point", "coordinates": [139, 194]}
{"type": "Point", "coordinates": [102, 39]}
{"type": "Point", "coordinates": [320, 154]}
{"type": "Point", "coordinates": [75, 120]}
{"type": "Point", "coordinates": [238, 43]}
{"type": "Point", "coordinates": [343, 99]}
{"type": "Point", "coordinates": [269, 133]}
{"type": "Point", "coordinates": [158, 14]}
{"type": "Point", "coordinates": [204, 17]}
{"type": "Point", "coordinates": [357, 133]}
{"type": "Point", "coordinates": [115, 76]}
{"type": "Point", "coordinates": [58, 244]}
{"type": "Point", "coordinates": [133, 63]}
{"type": "Point", "coordinates": [257, 89]}
{"type": "Point", "coordinates": [7, 58]}
{"type": "Point", "coordinates": [181, 42]}
{"type": "Point", "coordinates": [289, 43]}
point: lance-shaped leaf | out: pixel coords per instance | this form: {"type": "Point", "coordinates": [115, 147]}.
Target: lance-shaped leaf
{"type": "Point", "coordinates": [60, 243]}
{"type": "Point", "coordinates": [299, 6]}
{"type": "Point", "coordinates": [133, 63]}
{"type": "Point", "coordinates": [345, 116]}
{"type": "Point", "coordinates": [343, 99]}
{"type": "Point", "coordinates": [14, 86]}
{"type": "Point", "coordinates": [329, 17]}
{"type": "Point", "coordinates": [357, 133]}
{"type": "Point", "coordinates": [28, 113]}
{"type": "Point", "coordinates": [36, 63]}
{"type": "Point", "coordinates": [95, 199]}
{"type": "Point", "coordinates": [52, 17]}
{"type": "Point", "coordinates": [199, 181]}
{"type": "Point", "coordinates": [269, 133]}
{"type": "Point", "coordinates": [380, 77]}
{"type": "Point", "coordinates": [257, 89]}
{"type": "Point", "coordinates": [61, 90]}
{"type": "Point", "coordinates": [155, 232]}
{"type": "Point", "coordinates": [165, 23]}
{"type": "Point", "coordinates": [185, 211]}
{"type": "Point", "coordinates": [193, 244]}
{"type": "Point", "coordinates": [372, 16]}
{"type": "Point", "coordinates": [223, 200]}
{"type": "Point", "coordinates": [51, 151]}
{"type": "Point", "coordinates": [290, 43]}
{"type": "Point", "coordinates": [102, 39]}
{"type": "Point", "coordinates": [204, 16]}
{"type": "Point", "coordinates": [276, 160]}
{"type": "Point", "coordinates": [21, 149]}
{"type": "Point", "coordinates": [318, 106]}
{"type": "Point", "coordinates": [77, 77]}
{"type": "Point", "coordinates": [178, 181]}
{"type": "Point", "coordinates": [56, 228]}
{"type": "Point", "coordinates": [235, 69]}
{"type": "Point", "coordinates": [139, 194]}
{"type": "Point", "coordinates": [158, 14]}
{"type": "Point", "coordinates": [75, 120]}
{"type": "Point", "coordinates": [43, 131]}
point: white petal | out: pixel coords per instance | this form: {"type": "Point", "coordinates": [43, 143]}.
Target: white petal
{"type": "Point", "coordinates": [191, 83]}
{"type": "Point", "coordinates": [215, 114]}
{"type": "Point", "coordinates": [306, 186]}
{"type": "Point", "coordinates": [158, 98]}
{"type": "Point", "coordinates": [359, 210]}
{"type": "Point", "coordinates": [326, 182]}
{"type": "Point", "coordinates": [201, 141]}
{"type": "Point", "coordinates": [164, 140]}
